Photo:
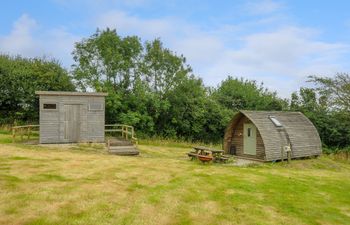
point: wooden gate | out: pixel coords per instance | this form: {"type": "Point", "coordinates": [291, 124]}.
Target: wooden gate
{"type": "Point", "coordinates": [72, 123]}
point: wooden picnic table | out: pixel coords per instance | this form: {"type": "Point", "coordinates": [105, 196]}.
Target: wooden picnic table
{"type": "Point", "coordinates": [202, 149]}
{"type": "Point", "coordinates": [217, 154]}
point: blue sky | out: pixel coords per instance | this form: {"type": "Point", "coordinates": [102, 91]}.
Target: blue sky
{"type": "Point", "coordinates": [276, 42]}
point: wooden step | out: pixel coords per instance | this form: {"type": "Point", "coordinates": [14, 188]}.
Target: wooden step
{"type": "Point", "coordinates": [116, 142]}
{"type": "Point", "coordinates": [118, 146]}
{"type": "Point", "coordinates": [123, 150]}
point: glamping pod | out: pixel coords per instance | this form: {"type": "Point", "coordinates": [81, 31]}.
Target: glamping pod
{"type": "Point", "coordinates": [68, 117]}
{"type": "Point", "coordinates": [267, 136]}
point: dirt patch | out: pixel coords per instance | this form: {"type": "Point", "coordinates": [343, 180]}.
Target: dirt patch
{"type": "Point", "coordinates": [245, 162]}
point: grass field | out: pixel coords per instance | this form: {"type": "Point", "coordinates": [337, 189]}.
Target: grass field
{"type": "Point", "coordinates": [83, 185]}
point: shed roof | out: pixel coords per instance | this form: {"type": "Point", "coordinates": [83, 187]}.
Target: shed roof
{"type": "Point", "coordinates": [302, 133]}
{"type": "Point", "coordinates": [68, 93]}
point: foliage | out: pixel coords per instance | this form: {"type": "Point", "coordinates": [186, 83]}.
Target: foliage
{"type": "Point", "coordinates": [328, 107]}
{"type": "Point", "coordinates": [332, 125]}
{"type": "Point", "coordinates": [106, 60]}
{"type": "Point", "coordinates": [20, 78]}
{"type": "Point", "coordinates": [151, 88]}
{"type": "Point", "coordinates": [237, 94]}
{"type": "Point", "coordinates": [336, 89]}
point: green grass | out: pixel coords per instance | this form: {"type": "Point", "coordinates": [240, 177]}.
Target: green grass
{"type": "Point", "coordinates": [84, 185]}
{"type": "Point", "coordinates": [175, 143]}
{"type": "Point", "coordinates": [5, 137]}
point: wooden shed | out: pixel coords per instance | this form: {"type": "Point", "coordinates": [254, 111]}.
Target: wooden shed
{"type": "Point", "coordinates": [263, 135]}
{"type": "Point", "coordinates": [68, 117]}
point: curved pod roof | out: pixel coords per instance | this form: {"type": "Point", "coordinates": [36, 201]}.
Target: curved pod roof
{"type": "Point", "coordinates": [303, 135]}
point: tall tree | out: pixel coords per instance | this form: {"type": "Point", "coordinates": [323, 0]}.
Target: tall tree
{"type": "Point", "coordinates": [337, 89]}
{"type": "Point", "coordinates": [236, 94]}
{"type": "Point", "coordinates": [162, 68]}
{"type": "Point", "coordinates": [20, 78]}
{"type": "Point", "coordinates": [332, 125]}
{"type": "Point", "coordinates": [106, 60]}
{"type": "Point", "coordinates": [149, 87]}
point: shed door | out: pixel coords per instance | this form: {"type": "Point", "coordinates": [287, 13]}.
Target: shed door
{"type": "Point", "coordinates": [249, 139]}
{"type": "Point", "coordinates": [71, 123]}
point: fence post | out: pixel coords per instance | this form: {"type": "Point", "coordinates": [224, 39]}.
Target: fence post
{"type": "Point", "coordinates": [21, 134]}
{"type": "Point", "coordinates": [13, 135]}
{"type": "Point", "coordinates": [289, 156]}
{"type": "Point", "coordinates": [28, 132]}
{"type": "Point", "coordinates": [282, 155]}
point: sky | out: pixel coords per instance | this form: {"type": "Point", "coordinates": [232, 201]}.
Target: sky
{"type": "Point", "coordinates": [277, 42]}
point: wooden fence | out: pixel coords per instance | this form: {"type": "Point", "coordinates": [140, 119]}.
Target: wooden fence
{"type": "Point", "coordinates": [25, 131]}
{"type": "Point", "coordinates": [126, 131]}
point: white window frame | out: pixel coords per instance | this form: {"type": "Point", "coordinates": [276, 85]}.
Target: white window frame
{"type": "Point", "coordinates": [275, 121]}
{"type": "Point", "coordinates": [94, 109]}
{"type": "Point", "coordinates": [49, 103]}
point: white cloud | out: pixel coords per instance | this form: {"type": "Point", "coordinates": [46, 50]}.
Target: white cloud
{"type": "Point", "coordinates": [177, 35]}
{"type": "Point", "coordinates": [132, 25]}
{"type": "Point", "coordinates": [28, 39]}
{"type": "Point", "coordinates": [20, 40]}
{"type": "Point", "coordinates": [282, 59]}
{"type": "Point", "coordinates": [181, 37]}
{"type": "Point", "coordinates": [199, 48]}
{"type": "Point", "coordinates": [58, 43]}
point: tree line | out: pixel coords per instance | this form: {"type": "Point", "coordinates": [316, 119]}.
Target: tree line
{"type": "Point", "coordinates": [154, 89]}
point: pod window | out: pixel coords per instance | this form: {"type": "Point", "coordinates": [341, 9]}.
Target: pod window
{"type": "Point", "coordinates": [275, 121]}
{"type": "Point", "coordinates": [49, 106]}
{"type": "Point", "coordinates": [95, 106]}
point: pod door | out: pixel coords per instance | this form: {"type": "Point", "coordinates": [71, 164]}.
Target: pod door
{"type": "Point", "coordinates": [249, 139]}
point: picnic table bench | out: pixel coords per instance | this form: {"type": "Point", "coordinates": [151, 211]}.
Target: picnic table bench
{"type": "Point", "coordinates": [218, 155]}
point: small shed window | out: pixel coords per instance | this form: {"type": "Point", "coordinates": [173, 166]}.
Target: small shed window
{"type": "Point", "coordinates": [96, 106]}
{"type": "Point", "coordinates": [249, 132]}
{"type": "Point", "coordinates": [49, 106]}
{"type": "Point", "coordinates": [275, 121]}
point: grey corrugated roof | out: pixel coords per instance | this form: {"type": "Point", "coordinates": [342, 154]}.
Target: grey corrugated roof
{"type": "Point", "coordinates": [302, 133]}
{"type": "Point", "coordinates": [68, 93]}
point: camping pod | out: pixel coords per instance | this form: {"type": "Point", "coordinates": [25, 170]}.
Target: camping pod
{"type": "Point", "coordinates": [268, 135]}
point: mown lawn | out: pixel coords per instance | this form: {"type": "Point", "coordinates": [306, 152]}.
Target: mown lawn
{"type": "Point", "coordinates": [83, 185]}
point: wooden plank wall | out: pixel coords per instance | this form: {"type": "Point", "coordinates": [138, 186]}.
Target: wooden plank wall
{"type": "Point", "coordinates": [49, 120]}
{"type": "Point", "coordinates": [52, 121]}
{"type": "Point", "coordinates": [237, 141]}
{"type": "Point", "coordinates": [302, 133]}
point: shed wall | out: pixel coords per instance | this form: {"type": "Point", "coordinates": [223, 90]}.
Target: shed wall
{"type": "Point", "coordinates": [52, 126]}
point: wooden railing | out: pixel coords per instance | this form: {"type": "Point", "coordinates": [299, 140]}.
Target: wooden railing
{"type": "Point", "coordinates": [22, 131]}
{"type": "Point", "coordinates": [126, 131]}
{"type": "Point", "coordinates": [26, 131]}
